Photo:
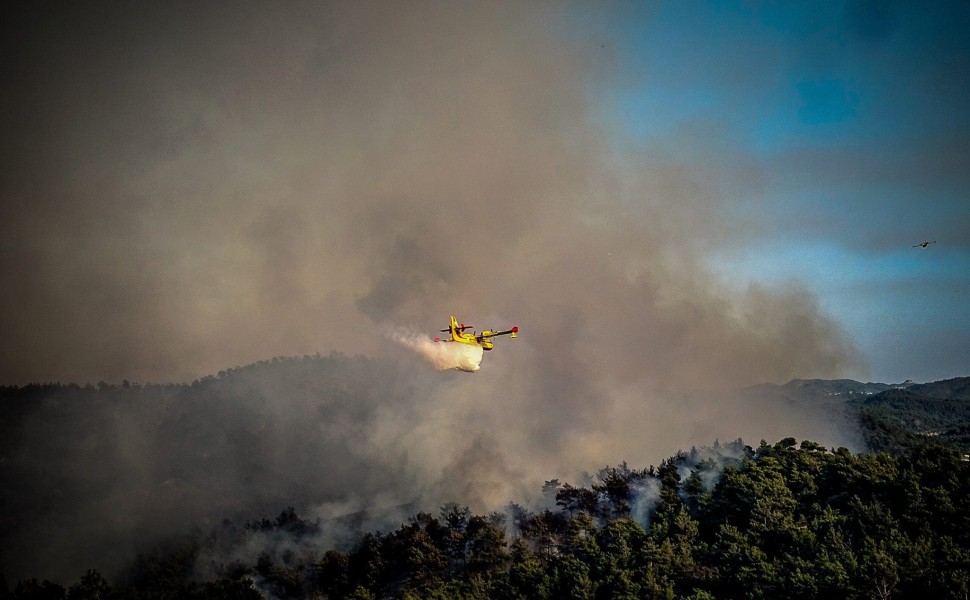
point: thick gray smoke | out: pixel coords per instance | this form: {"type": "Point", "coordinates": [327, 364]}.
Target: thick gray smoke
{"type": "Point", "coordinates": [187, 188]}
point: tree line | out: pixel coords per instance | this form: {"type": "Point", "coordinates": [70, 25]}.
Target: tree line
{"type": "Point", "coordinates": [784, 520]}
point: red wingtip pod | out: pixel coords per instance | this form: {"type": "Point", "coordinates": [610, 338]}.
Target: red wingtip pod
{"type": "Point", "coordinates": [515, 329]}
{"type": "Point", "coordinates": [437, 339]}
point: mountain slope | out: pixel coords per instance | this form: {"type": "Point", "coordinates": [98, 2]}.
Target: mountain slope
{"type": "Point", "coordinates": [937, 412]}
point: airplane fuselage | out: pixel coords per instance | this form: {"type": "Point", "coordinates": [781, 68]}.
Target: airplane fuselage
{"type": "Point", "coordinates": [483, 339]}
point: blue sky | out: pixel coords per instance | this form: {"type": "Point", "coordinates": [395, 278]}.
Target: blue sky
{"type": "Point", "coordinates": [858, 117]}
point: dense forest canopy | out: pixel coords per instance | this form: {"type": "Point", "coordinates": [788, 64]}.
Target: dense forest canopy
{"type": "Point", "coordinates": [790, 519]}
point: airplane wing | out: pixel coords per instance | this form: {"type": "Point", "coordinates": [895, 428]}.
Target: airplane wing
{"type": "Point", "coordinates": [490, 334]}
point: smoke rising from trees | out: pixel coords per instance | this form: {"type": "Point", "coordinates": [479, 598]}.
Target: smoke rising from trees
{"type": "Point", "coordinates": [92, 476]}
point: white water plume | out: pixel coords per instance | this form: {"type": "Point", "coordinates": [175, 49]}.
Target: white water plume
{"type": "Point", "coordinates": [442, 355]}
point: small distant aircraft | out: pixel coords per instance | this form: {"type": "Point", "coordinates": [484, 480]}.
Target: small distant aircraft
{"type": "Point", "coordinates": [924, 244]}
{"type": "Point", "coordinates": [483, 339]}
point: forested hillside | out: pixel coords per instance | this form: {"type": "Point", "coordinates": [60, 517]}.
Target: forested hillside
{"type": "Point", "coordinates": [901, 418]}
{"type": "Point", "coordinates": [890, 417]}
{"type": "Point", "coordinates": [786, 520]}
{"type": "Point", "coordinates": [791, 519]}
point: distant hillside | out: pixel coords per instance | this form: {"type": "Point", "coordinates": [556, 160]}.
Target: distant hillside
{"type": "Point", "coordinates": [891, 417]}
{"type": "Point", "coordinates": [937, 412]}
{"type": "Point", "coordinates": [957, 388]}
{"type": "Point", "coordinates": [835, 390]}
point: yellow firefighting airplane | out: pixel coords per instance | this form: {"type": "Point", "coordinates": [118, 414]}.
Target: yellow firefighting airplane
{"type": "Point", "coordinates": [483, 339]}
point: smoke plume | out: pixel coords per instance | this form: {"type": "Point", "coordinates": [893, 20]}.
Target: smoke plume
{"type": "Point", "coordinates": [186, 189]}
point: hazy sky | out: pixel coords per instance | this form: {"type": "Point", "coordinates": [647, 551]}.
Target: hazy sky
{"type": "Point", "coordinates": [661, 195]}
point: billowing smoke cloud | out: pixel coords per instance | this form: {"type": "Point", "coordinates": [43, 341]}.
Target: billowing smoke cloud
{"type": "Point", "coordinates": [441, 354]}
{"type": "Point", "coordinates": [201, 189]}
{"type": "Point", "coordinates": [186, 189]}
